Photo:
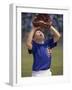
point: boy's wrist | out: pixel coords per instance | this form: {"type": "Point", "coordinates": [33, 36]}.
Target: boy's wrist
{"type": "Point", "coordinates": [49, 25]}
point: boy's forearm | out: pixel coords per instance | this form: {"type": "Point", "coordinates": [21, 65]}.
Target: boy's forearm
{"type": "Point", "coordinates": [29, 39]}
{"type": "Point", "coordinates": [56, 33]}
{"type": "Point", "coordinates": [30, 36]}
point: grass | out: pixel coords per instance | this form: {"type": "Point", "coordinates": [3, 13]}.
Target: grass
{"type": "Point", "coordinates": [56, 63]}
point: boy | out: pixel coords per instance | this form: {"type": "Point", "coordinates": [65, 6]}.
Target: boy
{"type": "Point", "coordinates": [41, 47]}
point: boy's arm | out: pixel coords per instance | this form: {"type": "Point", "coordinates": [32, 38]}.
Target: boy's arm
{"type": "Point", "coordinates": [29, 39]}
{"type": "Point", "coordinates": [56, 34]}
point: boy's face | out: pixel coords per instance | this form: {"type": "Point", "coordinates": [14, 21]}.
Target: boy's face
{"type": "Point", "coordinates": [39, 36]}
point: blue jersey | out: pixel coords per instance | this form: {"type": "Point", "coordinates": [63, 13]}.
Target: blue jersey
{"type": "Point", "coordinates": [42, 60]}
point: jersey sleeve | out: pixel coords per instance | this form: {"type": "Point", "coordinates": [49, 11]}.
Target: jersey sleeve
{"type": "Point", "coordinates": [51, 43]}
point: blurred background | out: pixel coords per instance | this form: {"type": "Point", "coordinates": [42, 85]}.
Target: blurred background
{"type": "Point", "coordinates": [57, 52]}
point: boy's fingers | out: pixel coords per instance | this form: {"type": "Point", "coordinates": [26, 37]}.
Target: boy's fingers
{"type": "Point", "coordinates": [49, 51]}
{"type": "Point", "coordinates": [35, 28]}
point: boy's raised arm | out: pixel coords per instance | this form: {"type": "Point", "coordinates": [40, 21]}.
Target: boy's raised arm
{"type": "Point", "coordinates": [30, 38]}
{"type": "Point", "coordinates": [57, 35]}
{"type": "Point", "coordinates": [55, 32]}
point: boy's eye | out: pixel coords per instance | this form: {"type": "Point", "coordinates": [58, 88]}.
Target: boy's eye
{"type": "Point", "coordinates": [38, 32]}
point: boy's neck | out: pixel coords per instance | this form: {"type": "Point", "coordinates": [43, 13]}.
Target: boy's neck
{"type": "Point", "coordinates": [40, 42]}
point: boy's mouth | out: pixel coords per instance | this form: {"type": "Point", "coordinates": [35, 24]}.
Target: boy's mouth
{"type": "Point", "coordinates": [40, 34]}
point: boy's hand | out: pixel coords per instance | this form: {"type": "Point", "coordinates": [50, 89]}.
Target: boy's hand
{"type": "Point", "coordinates": [49, 24]}
{"type": "Point", "coordinates": [49, 51]}
{"type": "Point", "coordinates": [45, 24]}
{"type": "Point", "coordinates": [35, 28]}
{"type": "Point", "coordinates": [40, 24]}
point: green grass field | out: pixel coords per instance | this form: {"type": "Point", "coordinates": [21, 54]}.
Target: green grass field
{"type": "Point", "coordinates": [56, 63]}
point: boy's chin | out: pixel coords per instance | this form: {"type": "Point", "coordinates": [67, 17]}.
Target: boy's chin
{"type": "Point", "coordinates": [42, 39]}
